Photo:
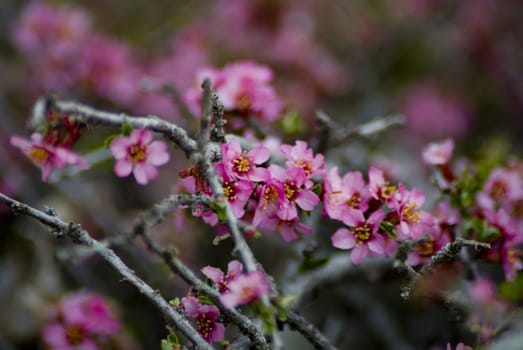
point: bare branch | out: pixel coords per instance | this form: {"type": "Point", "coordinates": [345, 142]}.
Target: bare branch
{"type": "Point", "coordinates": [82, 237]}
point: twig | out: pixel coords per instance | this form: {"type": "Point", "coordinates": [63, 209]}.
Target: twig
{"type": "Point", "coordinates": [448, 253]}
{"type": "Point", "coordinates": [309, 331]}
{"type": "Point", "coordinates": [339, 134]}
{"type": "Point", "coordinates": [90, 115]}
{"type": "Point", "coordinates": [207, 170]}
{"type": "Point", "coordinates": [82, 237]}
{"type": "Point", "coordinates": [180, 269]}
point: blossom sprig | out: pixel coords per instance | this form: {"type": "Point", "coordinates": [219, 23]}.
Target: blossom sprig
{"type": "Point", "coordinates": [266, 195]}
{"type": "Point", "coordinates": [205, 318]}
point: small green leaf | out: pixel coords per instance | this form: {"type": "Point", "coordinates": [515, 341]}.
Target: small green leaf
{"type": "Point", "coordinates": [310, 263]}
{"type": "Point", "coordinates": [291, 124]}
{"type": "Point", "coordinates": [126, 129]}
{"type": "Point", "coordinates": [109, 139]}
{"type": "Point", "coordinates": [219, 208]}
{"type": "Point", "coordinates": [175, 302]}
{"type": "Point", "coordinates": [283, 305]}
{"type": "Point", "coordinates": [388, 227]}
{"type": "Point", "coordinates": [165, 345]}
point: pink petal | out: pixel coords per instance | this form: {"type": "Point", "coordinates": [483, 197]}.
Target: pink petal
{"type": "Point", "coordinates": [140, 174]}
{"type": "Point", "coordinates": [234, 268]}
{"type": "Point", "coordinates": [307, 199]}
{"type": "Point", "coordinates": [343, 239]}
{"type": "Point", "coordinates": [218, 333]}
{"type": "Point", "coordinates": [213, 273]}
{"type": "Point", "coordinates": [259, 174]}
{"type": "Point", "coordinates": [119, 147]}
{"type": "Point", "coordinates": [260, 154]}
{"type": "Point", "coordinates": [352, 217]}
{"type": "Point", "coordinates": [359, 253]}
{"type": "Point", "coordinates": [377, 244]}
{"type": "Point", "coordinates": [123, 167]}
{"type": "Point", "coordinates": [287, 233]}
{"type": "Point", "coordinates": [157, 153]}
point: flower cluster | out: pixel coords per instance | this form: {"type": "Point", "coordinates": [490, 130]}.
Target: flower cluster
{"type": "Point", "coordinates": [81, 321]}
{"type": "Point", "coordinates": [495, 212]}
{"type": "Point", "coordinates": [270, 197]}
{"type": "Point", "coordinates": [243, 88]}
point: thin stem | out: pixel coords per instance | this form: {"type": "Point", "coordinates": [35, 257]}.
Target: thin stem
{"type": "Point", "coordinates": [82, 237]}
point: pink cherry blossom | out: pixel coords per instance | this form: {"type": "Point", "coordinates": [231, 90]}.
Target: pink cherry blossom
{"type": "Point", "coordinates": [424, 250]}
{"type": "Point", "coordinates": [501, 187]}
{"type": "Point", "coordinates": [413, 222]}
{"type": "Point", "coordinates": [78, 322]}
{"type": "Point", "coordinates": [205, 318]}
{"type": "Point", "coordinates": [380, 188]}
{"type": "Point", "coordinates": [438, 153]}
{"type": "Point", "coordinates": [47, 157]}
{"type": "Point", "coordinates": [237, 191]}
{"type": "Point", "coordinates": [138, 154]}
{"type": "Point", "coordinates": [296, 194]}
{"type": "Point", "coordinates": [244, 165]}
{"type": "Point", "coordinates": [302, 156]}
{"type": "Point", "coordinates": [362, 236]}
{"type": "Point", "coordinates": [234, 269]}
{"type": "Point", "coordinates": [245, 289]}
{"type": "Point", "coordinates": [271, 197]}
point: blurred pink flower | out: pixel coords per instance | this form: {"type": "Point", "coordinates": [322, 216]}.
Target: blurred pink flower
{"type": "Point", "coordinates": [47, 157]}
{"type": "Point", "coordinates": [234, 269]}
{"type": "Point", "coordinates": [432, 114]}
{"type": "Point", "coordinates": [245, 289]}
{"type": "Point", "coordinates": [139, 154]}
{"type": "Point", "coordinates": [438, 153]}
{"type": "Point", "coordinates": [79, 320]}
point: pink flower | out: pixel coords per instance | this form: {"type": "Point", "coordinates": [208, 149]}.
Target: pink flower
{"type": "Point", "coordinates": [234, 269]}
{"type": "Point", "coordinates": [243, 88]}
{"type": "Point", "coordinates": [362, 236]}
{"type": "Point", "coordinates": [424, 250]}
{"type": "Point", "coordinates": [271, 197]}
{"type": "Point", "coordinates": [244, 165]}
{"type": "Point", "coordinates": [137, 154]}
{"type": "Point", "coordinates": [46, 156]}
{"type": "Point", "coordinates": [438, 153]}
{"type": "Point", "coordinates": [379, 188]}
{"type": "Point", "coordinates": [501, 187]}
{"type": "Point", "coordinates": [205, 317]}
{"type": "Point", "coordinates": [237, 191]}
{"type": "Point", "coordinates": [245, 289]}
{"type": "Point", "coordinates": [79, 321]}
{"type": "Point", "coordinates": [413, 222]}
{"type": "Point", "coordinates": [296, 194]}
{"type": "Point", "coordinates": [347, 193]}
{"type": "Point", "coordinates": [303, 157]}
{"type": "Point", "coordinates": [286, 228]}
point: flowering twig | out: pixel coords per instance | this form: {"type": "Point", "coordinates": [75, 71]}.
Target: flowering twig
{"type": "Point", "coordinates": [180, 269]}
{"type": "Point", "coordinates": [82, 237]}
{"type": "Point", "coordinates": [90, 115]}
{"type": "Point", "coordinates": [310, 332]}
{"type": "Point", "coordinates": [208, 172]}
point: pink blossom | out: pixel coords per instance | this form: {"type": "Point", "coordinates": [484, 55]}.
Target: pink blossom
{"type": "Point", "coordinates": [286, 228]}
{"type": "Point", "coordinates": [302, 156]}
{"type": "Point", "coordinates": [380, 188]}
{"type": "Point", "coordinates": [244, 165]}
{"type": "Point", "coordinates": [362, 236]}
{"type": "Point", "coordinates": [46, 156]}
{"type": "Point", "coordinates": [424, 250]}
{"type": "Point", "coordinates": [501, 187]}
{"type": "Point", "coordinates": [271, 197]}
{"type": "Point", "coordinates": [205, 317]}
{"type": "Point", "coordinates": [243, 88]}
{"type": "Point", "coordinates": [245, 289]}
{"type": "Point", "coordinates": [237, 191]}
{"type": "Point", "coordinates": [413, 221]}
{"type": "Point", "coordinates": [138, 154]}
{"type": "Point", "coordinates": [296, 193]}
{"type": "Point", "coordinates": [438, 153]}
{"type": "Point", "coordinates": [79, 321]}
{"type": "Point", "coordinates": [234, 269]}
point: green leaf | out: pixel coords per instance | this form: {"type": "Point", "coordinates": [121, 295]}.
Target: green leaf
{"type": "Point", "coordinates": [388, 227]}
{"type": "Point", "coordinates": [219, 208]}
{"type": "Point", "coordinates": [310, 263]}
{"type": "Point", "coordinates": [126, 129]}
{"type": "Point", "coordinates": [165, 345]}
{"type": "Point", "coordinates": [109, 139]}
{"type": "Point", "coordinates": [283, 305]}
{"type": "Point", "coordinates": [175, 302]}
{"type": "Point", "coordinates": [291, 124]}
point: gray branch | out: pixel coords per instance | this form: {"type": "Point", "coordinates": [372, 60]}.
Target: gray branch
{"type": "Point", "coordinates": [82, 237]}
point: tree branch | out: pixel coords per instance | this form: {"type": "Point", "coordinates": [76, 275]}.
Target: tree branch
{"type": "Point", "coordinates": [82, 237]}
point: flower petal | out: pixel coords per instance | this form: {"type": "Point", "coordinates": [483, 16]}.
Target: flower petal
{"type": "Point", "coordinates": [343, 239]}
